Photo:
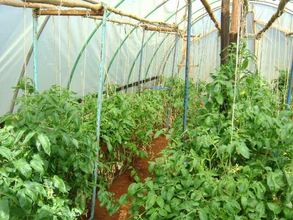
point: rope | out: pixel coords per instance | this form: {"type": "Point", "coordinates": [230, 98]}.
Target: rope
{"type": "Point", "coordinates": [24, 51]}
{"type": "Point", "coordinates": [55, 51]}
{"type": "Point", "coordinates": [68, 46]}
{"type": "Point", "coordinates": [59, 51]}
{"type": "Point", "coordinates": [235, 77]}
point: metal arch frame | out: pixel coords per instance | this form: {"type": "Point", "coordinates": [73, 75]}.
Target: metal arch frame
{"type": "Point", "coordinates": [93, 33]}
{"type": "Point", "coordinates": [85, 45]}
{"type": "Point", "coordinates": [128, 35]}
{"type": "Point", "coordinates": [133, 64]}
{"type": "Point", "coordinates": [194, 22]}
{"type": "Point", "coordinates": [116, 52]}
{"type": "Point", "coordinates": [205, 14]}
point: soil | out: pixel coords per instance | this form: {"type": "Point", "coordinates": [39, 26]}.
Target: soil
{"type": "Point", "coordinates": [121, 183]}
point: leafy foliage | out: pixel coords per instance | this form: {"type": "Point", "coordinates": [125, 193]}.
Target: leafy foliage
{"type": "Point", "coordinates": [48, 150]}
{"type": "Point", "coordinates": [222, 171]}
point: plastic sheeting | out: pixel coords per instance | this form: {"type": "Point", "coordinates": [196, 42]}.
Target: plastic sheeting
{"type": "Point", "coordinates": [63, 38]}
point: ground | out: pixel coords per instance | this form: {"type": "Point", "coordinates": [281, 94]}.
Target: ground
{"type": "Point", "coordinates": [120, 184]}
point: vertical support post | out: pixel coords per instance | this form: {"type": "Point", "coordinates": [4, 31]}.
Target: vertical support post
{"type": "Point", "coordinates": [35, 50]}
{"type": "Point", "coordinates": [172, 80]}
{"type": "Point", "coordinates": [288, 101]}
{"type": "Point", "coordinates": [187, 66]}
{"type": "Point", "coordinates": [99, 109]}
{"type": "Point", "coordinates": [140, 61]}
{"type": "Point", "coordinates": [234, 21]}
{"type": "Point", "coordinates": [225, 23]}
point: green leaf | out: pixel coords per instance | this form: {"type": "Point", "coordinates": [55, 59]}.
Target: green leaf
{"type": "Point", "coordinates": [274, 207]}
{"type": "Point", "coordinates": [132, 189]}
{"type": "Point", "coordinates": [203, 215]}
{"type": "Point", "coordinates": [75, 142]}
{"type": "Point", "coordinates": [59, 184]}
{"type": "Point", "coordinates": [44, 213]}
{"type": "Point", "coordinates": [18, 136]}
{"type": "Point", "coordinates": [158, 133]}
{"type": "Point", "coordinates": [162, 212]}
{"type": "Point", "coordinates": [243, 150]}
{"type": "Point", "coordinates": [23, 167]}
{"type": "Point", "coordinates": [244, 201]}
{"type": "Point", "coordinates": [5, 152]}
{"type": "Point", "coordinates": [151, 199]}
{"type": "Point", "coordinates": [24, 201]}
{"type": "Point", "coordinates": [219, 98]}
{"type": "Point", "coordinates": [245, 64]}
{"type": "Point", "coordinates": [170, 193]}
{"type": "Point", "coordinates": [28, 137]}
{"type": "Point", "coordinates": [123, 199]}
{"type": "Point", "coordinates": [37, 164]}
{"type": "Point", "coordinates": [154, 216]}
{"type": "Point", "coordinates": [150, 184]}
{"type": "Point", "coordinates": [4, 209]}
{"type": "Point", "coordinates": [45, 142]}
{"type": "Point", "coordinates": [160, 201]}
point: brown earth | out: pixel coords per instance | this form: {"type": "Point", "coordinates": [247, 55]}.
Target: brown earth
{"type": "Point", "coordinates": [121, 183]}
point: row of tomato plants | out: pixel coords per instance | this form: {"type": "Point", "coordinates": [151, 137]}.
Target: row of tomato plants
{"type": "Point", "coordinates": [48, 149]}
{"type": "Point", "coordinates": [236, 161]}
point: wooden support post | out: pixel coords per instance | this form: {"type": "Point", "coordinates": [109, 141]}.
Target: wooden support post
{"type": "Point", "coordinates": [225, 23]}
{"type": "Point", "coordinates": [234, 21]}
{"type": "Point", "coordinates": [275, 16]}
{"type": "Point", "coordinates": [211, 14]}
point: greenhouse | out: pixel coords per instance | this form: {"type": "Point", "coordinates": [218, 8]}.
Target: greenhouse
{"type": "Point", "coordinates": [158, 109]}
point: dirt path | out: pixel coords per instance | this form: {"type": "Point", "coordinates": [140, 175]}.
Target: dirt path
{"type": "Point", "coordinates": [120, 185]}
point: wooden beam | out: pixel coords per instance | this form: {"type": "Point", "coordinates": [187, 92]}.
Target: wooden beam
{"type": "Point", "coordinates": [159, 29]}
{"type": "Point", "coordinates": [71, 4]}
{"type": "Point", "coordinates": [275, 16]}
{"type": "Point", "coordinates": [70, 12]}
{"type": "Point", "coordinates": [286, 31]}
{"type": "Point", "coordinates": [26, 4]}
{"type": "Point", "coordinates": [225, 23]}
{"type": "Point", "coordinates": [191, 65]}
{"type": "Point", "coordinates": [145, 26]}
{"type": "Point", "coordinates": [98, 7]}
{"type": "Point", "coordinates": [211, 14]}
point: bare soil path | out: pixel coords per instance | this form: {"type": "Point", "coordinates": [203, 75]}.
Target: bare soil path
{"type": "Point", "coordinates": [120, 184]}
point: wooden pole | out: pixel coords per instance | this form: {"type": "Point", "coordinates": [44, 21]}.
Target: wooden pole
{"type": "Point", "coordinates": [26, 4]}
{"type": "Point", "coordinates": [211, 14]}
{"type": "Point", "coordinates": [225, 22]}
{"type": "Point", "coordinates": [70, 12]}
{"type": "Point", "coordinates": [275, 16]}
{"type": "Point", "coordinates": [71, 4]}
{"type": "Point", "coordinates": [234, 21]}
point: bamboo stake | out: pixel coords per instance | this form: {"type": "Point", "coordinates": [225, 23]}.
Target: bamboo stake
{"type": "Point", "coordinates": [26, 4]}
{"type": "Point", "coordinates": [211, 14]}
{"type": "Point", "coordinates": [275, 16]}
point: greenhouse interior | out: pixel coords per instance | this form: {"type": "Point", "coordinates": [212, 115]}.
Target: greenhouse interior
{"type": "Point", "coordinates": [158, 109]}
